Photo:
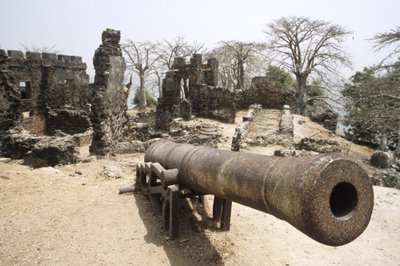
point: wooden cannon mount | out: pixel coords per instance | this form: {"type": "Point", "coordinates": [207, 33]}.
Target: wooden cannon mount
{"type": "Point", "coordinates": [328, 197]}
{"type": "Point", "coordinates": [161, 187]}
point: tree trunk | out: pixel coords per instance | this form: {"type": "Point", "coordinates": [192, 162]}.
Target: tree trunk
{"type": "Point", "coordinates": [301, 100]}
{"type": "Point", "coordinates": [143, 101]}
{"type": "Point", "coordinates": [240, 84]}
{"type": "Point", "coordinates": [159, 85]}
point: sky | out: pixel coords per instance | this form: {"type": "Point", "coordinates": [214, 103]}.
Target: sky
{"type": "Point", "coordinates": [74, 27]}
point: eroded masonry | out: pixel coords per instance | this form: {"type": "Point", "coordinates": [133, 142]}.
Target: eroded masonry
{"type": "Point", "coordinates": [48, 108]}
{"type": "Point", "coordinates": [192, 88]}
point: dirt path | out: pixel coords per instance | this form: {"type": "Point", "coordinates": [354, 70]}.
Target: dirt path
{"type": "Point", "coordinates": [73, 215]}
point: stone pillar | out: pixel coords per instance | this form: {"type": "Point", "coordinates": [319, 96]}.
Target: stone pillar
{"type": "Point", "coordinates": [212, 73]}
{"type": "Point", "coordinates": [108, 114]}
{"type": "Point", "coordinates": [186, 109]}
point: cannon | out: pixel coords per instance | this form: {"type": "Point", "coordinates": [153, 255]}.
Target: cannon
{"type": "Point", "coordinates": [328, 197]}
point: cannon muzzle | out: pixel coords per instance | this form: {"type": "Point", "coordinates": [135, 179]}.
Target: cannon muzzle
{"type": "Point", "coordinates": [328, 197]}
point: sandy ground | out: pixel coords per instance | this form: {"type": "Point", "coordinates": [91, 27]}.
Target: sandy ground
{"type": "Point", "coordinates": [73, 215]}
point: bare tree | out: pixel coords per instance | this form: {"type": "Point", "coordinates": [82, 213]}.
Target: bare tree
{"type": "Point", "coordinates": [304, 47]}
{"type": "Point", "coordinates": [43, 49]}
{"type": "Point", "coordinates": [238, 61]}
{"type": "Point", "coordinates": [178, 47]}
{"type": "Point", "coordinates": [168, 50]}
{"type": "Point", "coordinates": [386, 39]}
{"type": "Point", "coordinates": [141, 57]}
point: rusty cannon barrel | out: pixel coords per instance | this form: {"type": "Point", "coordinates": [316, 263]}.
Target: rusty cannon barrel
{"type": "Point", "coordinates": [328, 197]}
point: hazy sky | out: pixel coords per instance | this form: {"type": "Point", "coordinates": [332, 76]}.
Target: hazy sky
{"type": "Point", "coordinates": [75, 26]}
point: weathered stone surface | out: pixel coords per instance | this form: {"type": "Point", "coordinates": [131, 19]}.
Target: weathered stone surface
{"type": "Point", "coordinates": [324, 116]}
{"type": "Point", "coordinates": [291, 151]}
{"type": "Point", "coordinates": [109, 95]}
{"type": "Point", "coordinates": [138, 131]}
{"type": "Point", "coordinates": [68, 121]}
{"type": "Point", "coordinates": [46, 83]}
{"type": "Point", "coordinates": [213, 102]}
{"type": "Point", "coordinates": [286, 123]}
{"type": "Point", "coordinates": [132, 146]}
{"type": "Point", "coordinates": [17, 142]}
{"type": "Point", "coordinates": [389, 177]}
{"type": "Point", "coordinates": [83, 139]}
{"type": "Point", "coordinates": [381, 159]}
{"type": "Point", "coordinates": [264, 91]}
{"type": "Point", "coordinates": [186, 109]}
{"type": "Point", "coordinates": [191, 88]}
{"type": "Point", "coordinates": [39, 151]}
{"type": "Point", "coordinates": [318, 145]}
{"type": "Point", "coordinates": [10, 101]}
{"type": "Point", "coordinates": [265, 130]}
{"type": "Point", "coordinates": [52, 151]}
{"type": "Point", "coordinates": [240, 130]}
{"type": "Point", "coordinates": [252, 112]}
{"type": "Point", "coordinates": [196, 132]}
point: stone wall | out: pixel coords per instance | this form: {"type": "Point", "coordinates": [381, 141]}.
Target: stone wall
{"type": "Point", "coordinates": [320, 113]}
{"type": "Point", "coordinates": [191, 88]}
{"type": "Point", "coordinates": [264, 91]}
{"type": "Point", "coordinates": [215, 103]}
{"type": "Point", "coordinates": [47, 83]}
{"type": "Point", "coordinates": [241, 129]}
{"type": "Point", "coordinates": [10, 102]}
{"type": "Point", "coordinates": [109, 95]}
{"type": "Point", "coordinates": [286, 126]}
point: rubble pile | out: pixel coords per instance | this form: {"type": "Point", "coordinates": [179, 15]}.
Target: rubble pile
{"type": "Point", "coordinates": [196, 132]}
{"type": "Point", "coordinates": [318, 145]}
{"type": "Point", "coordinates": [240, 130]}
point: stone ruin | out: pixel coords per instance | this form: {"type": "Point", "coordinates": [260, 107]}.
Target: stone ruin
{"type": "Point", "coordinates": [192, 89]}
{"type": "Point", "coordinates": [264, 91]}
{"type": "Point", "coordinates": [109, 95]}
{"type": "Point", "coordinates": [44, 98]}
{"type": "Point", "coordinates": [48, 108]}
{"type": "Point", "coordinates": [49, 91]}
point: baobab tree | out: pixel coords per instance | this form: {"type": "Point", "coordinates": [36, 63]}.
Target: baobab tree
{"type": "Point", "coordinates": [386, 39]}
{"type": "Point", "coordinates": [168, 50]}
{"type": "Point", "coordinates": [238, 61]}
{"type": "Point", "coordinates": [140, 58]}
{"type": "Point", "coordinates": [307, 47]}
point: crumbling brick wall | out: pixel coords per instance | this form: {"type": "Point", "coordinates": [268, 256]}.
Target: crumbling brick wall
{"type": "Point", "coordinates": [109, 95]}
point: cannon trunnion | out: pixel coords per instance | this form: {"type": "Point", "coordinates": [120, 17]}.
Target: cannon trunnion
{"type": "Point", "coordinates": [328, 197]}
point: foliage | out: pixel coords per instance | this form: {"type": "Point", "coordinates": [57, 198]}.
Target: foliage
{"type": "Point", "coordinates": [373, 104]}
{"type": "Point", "coordinates": [307, 47]}
{"type": "Point", "coordinates": [151, 102]}
{"type": "Point", "coordinates": [283, 79]}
